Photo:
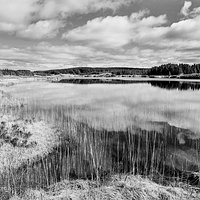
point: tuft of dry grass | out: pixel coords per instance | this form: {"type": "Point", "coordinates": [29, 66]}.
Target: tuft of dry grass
{"type": "Point", "coordinates": [118, 188]}
{"type": "Point", "coordinates": [22, 140]}
{"type": "Point", "coordinates": [8, 101]}
{"type": "Point", "coordinates": [23, 143]}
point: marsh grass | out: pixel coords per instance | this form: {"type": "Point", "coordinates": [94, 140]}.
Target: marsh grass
{"type": "Point", "coordinates": [81, 150]}
{"type": "Point", "coordinates": [121, 188]}
{"type": "Point", "coordinates": [23, 143]}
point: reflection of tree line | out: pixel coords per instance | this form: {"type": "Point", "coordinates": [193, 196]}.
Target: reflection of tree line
{"type": "Point", "coordinates": [99, 81]}
{"type": "Point", "coordinates": [170, 85]}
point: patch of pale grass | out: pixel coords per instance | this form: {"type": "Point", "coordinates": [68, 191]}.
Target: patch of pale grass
{"type": "Point", "coordinates": [123, 188]}
{"type": "Point", "coordinates": [7, 101]}
{"type": "Point", "coordinates": [42, 135]}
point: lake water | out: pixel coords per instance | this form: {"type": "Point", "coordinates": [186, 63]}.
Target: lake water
{"type": "Point", "coordinates": [142, 127]}
{"type": "Point", "coordinates": [121, 104]}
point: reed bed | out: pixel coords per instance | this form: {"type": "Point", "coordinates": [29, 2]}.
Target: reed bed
{"type": "Point", "coordinates": [22, 144]}
{"type": "Point", "coordinates": [62, 146]}
{"type": "Point", "coordinates": [7, 102]}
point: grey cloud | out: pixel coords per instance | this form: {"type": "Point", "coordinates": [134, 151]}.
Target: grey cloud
{"type": "Point", "coordinates": [24, 16]}
{"type": "Point", "coordinates": [140, 39]}
{"type": "Point", "coordinates": [117, 31]}
{"type": "Point", "coordinates": [186, 8]}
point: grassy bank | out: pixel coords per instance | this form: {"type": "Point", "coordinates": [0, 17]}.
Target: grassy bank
{"type": "Point", "coordinates": [117, 188]}
{"type": "Point", "coordinates": [23, 141]}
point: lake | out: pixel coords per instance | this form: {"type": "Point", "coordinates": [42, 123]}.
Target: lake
{"type": "Point", "coordinates": [149, 128]}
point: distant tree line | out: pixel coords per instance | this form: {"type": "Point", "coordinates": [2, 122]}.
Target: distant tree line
{"type": "Point", "coordinates": [8, 72]}
{"type": "Point", "coordinates": [174, 69]}
{"type": "Point", "coordinates": [90, 71]}
{"type": "Point", "coordinates": [165, 70]}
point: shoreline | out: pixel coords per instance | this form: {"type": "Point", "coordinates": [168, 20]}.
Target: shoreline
{"type": "Point", "coordinates": [134, 79]}
{"type": "Point", "coordinates": [16, 79]}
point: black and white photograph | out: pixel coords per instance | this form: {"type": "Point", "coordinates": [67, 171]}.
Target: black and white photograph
{"type": "Point", "coordinates": [99, 99]}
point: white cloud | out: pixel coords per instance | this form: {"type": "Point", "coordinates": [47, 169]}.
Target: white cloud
{"type": "Point", "coordinates": [195, 12]}
{"type": "Point", "coordinates": [139, 30]}
{"type": "Point", "coordinates": [188, 29]}
{"type": "Point", "coordinates": [22, 11]}
{"type": "Point", "coordinates": [23, 17]}
{"type": "Point", "coordinates": [185, 10]}
{"type": "Point", "coordinates": [46, 54]}
{"type": "Point", "coordinates": [53, 8]}
{"type": "Point", "coordinates": [41, 29]}
{"type": "Point", "coordinates": [17, 11]}
{"type": "Point", "coordinates": [117, 31]}
{"type": "Point", "coordinates": [16, 14]}
{"type": "Point", "coordinates": [139, 40]}
{"type": "Point", "coordinates": [109, 31]}
{"type": "Point", "coordinates": [10, 27]}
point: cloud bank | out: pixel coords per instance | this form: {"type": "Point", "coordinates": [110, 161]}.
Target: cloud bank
{"type": "Point", "coordinates": [139, 39]}
{"type": "Point", "coordinates": [24, 17]}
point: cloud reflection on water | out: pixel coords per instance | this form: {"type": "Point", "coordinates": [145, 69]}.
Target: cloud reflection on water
{"type": "Point", "coordinates": [119, 106]}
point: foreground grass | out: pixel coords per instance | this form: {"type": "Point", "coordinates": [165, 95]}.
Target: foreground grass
{"type": "Point", "coordinates": [117, 188]}
{"type": "Point", "coordinates": [23, 141]}
{"type": "Point", "coordinates": [7, 101]}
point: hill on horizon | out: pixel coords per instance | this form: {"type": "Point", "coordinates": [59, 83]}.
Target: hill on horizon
{"type": "Point", "coordinates": [165, 70]}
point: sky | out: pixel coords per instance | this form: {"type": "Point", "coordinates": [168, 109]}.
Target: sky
{"type": "Point", "coordinates": [51, 34]}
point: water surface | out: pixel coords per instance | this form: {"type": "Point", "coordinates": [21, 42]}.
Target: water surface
{"type": "Point", "coordinates": [132, 124]}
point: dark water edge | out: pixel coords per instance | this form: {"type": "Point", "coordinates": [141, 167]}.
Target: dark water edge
{"type": "Point", "coordinates": [98, 81]}
{"type": "Point", "coordinates": [170, 85]}
{"type": "Point", "coordinates": [174, 85]}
